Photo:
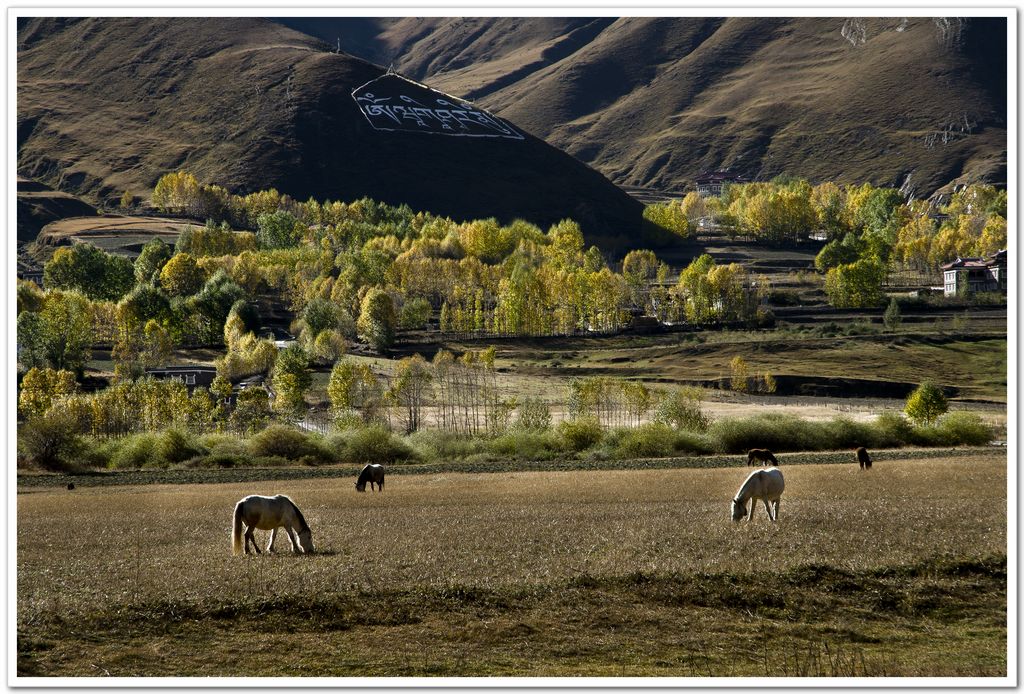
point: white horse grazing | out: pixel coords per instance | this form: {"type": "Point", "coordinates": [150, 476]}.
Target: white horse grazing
{"type": "Point", "coordinates": [270, 513]}
{"type": "Point", "coordinates": [766, 485]}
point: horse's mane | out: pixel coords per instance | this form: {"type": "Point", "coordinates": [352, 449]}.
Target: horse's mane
{"type": "Point", "coordinates": [303, 526]}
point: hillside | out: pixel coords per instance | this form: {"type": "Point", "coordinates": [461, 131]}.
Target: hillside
{"type": "Point", "coordinates": [652, 102]}
{"type": "Point", "coordinates": [38, 205]}
{"type": "Point", "coordinates": [109, 104]}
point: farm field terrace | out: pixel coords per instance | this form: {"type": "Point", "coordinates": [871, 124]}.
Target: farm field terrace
{"type": "Point", "coordinates": [897, 571]}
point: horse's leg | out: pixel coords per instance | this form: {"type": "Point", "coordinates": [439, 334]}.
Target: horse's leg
{"type": "Point", "coordinates": [768, 508]}
{"type": "Point", "coordinates": [273, 536]}
{"type": "Point", "coordinates": [753, 505]}
{"type": "Point", "coordinates": [250, 537]}
{"type": "Point", "coordinates": [777, 502]}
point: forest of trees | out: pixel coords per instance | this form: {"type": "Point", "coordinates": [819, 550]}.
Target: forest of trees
{"type": "Point", "coordinates": [365, 270]}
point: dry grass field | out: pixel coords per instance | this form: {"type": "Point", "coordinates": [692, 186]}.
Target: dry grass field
{"type": "Point", "coordinates": [900, 571]}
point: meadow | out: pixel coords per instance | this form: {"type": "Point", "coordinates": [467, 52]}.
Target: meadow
{"type": "Point", "coordinates": [897, 571]}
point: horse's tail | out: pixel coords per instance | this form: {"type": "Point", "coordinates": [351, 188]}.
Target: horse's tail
{"type": "Point", "coordinates": [236, 530]}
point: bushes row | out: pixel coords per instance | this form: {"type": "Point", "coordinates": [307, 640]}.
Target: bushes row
{"type": "Point", "coordinates": [51, 443]}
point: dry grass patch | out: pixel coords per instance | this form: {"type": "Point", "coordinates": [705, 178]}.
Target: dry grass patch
{"type": "Point", "coordinates": [526, 561]}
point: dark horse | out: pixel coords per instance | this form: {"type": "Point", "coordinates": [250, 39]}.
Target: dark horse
{"type": "Point", "coordinates": [762, 455]}
{"type": "Point", "coordinates": [863, 458]}
{"type": "Point", "coordinates": [372, 473]}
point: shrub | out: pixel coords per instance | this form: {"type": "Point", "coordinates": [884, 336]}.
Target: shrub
{"type": "Point", "coordinates": [215, 461]}
{"type": "Point", "coordinates": [892, 430]}
{"type": "Point", "coordinates": [434, 445]}
{"type": "Point", "coordinates": [373, 444]}
{"type": "Point", "coordinates": [653, 440]}
{"type": "Point", "coordinates": [527, 444]}
{"type": "Point", "coordinates": [290, 443]}
{"type": "Point", "coordinates": [534, 415]}
{"type": "Point", "coordinates": [843, 432]}
{"type": "Point", "coordinates": [964, 428]}
{"type": "Point", "coordinates": [779, 432]}
{"type": "Point", "coordinates": [693, 442]}
{"type": "Point", "coordinates": [135, 452]}
{"type": "Point", "coordinates": [51, 442]}
{"type": "Point", "coordinates": [175, 446]}
{"type": "Point", "coordinates": [223, 444]}
{"type": "Point", "coordinates": [580, 434]}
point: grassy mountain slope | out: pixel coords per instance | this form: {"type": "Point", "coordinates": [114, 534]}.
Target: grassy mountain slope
{"type": "Point", "coordinates": [107, 105]}
{"type": "Point", "coordinates": [653, 101]}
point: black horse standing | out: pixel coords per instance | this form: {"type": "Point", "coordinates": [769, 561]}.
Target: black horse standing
{"type": "Point", "coordinates": [372, 473]}
{"type": "Point", "coordinates": [863, 458]}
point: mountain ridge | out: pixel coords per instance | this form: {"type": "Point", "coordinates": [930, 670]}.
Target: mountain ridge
{"type": "Point", "coordinates": [652, 102]}
{"type": "Point", "coordinates": [108, 105]}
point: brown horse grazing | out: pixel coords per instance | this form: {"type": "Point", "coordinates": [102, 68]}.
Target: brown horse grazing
{"type": "Point", "coordinates": [762, 455]}
{"type": "Point", "coordinates": [373, 474]}
{"type": "Point", "coordinates": [863, 458]}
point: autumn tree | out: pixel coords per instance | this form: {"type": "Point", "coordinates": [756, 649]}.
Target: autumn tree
{"type": "Point", "coordinates": [176, 192]}
{"type": "Point", "coordinates": [377, 319]}
{"type": "Point", "coordinates": [739, 373]}
{"type": "Point", "coordinates": [926, 404]}
{"type": "Point", "coordinates": [41, 388]}
{"type": "Point", "coordinates": [856, 285]}
{"type": "Point", "coordinates": [668, 216]}
{"type": "Point", "coordinates": [354, 388]}
{"type": "Point", "coordinates": [639, 267]}
{"type": "Point", "coordinates": [291, 380]}
{"type": "Point", "coordinates": [182, 276]}
{"type": "Point", "coordinates": [409, 390]}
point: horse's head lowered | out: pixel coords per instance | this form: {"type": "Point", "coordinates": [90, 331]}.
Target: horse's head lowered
{"type": "Point", "coordinates": [305, 541]}
{"type": "Point", "coordinates": [361, 486]}
{"type": "Point", "coordinates": [739, 510]}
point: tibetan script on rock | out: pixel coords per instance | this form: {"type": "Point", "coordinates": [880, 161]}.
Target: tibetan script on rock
{"type": "Point", "coordinates": [393, 103]}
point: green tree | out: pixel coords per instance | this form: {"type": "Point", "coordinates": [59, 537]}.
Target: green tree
{"type": "Point", "coordinates": [252, 410]}
{"type": "Point", "coordinates": [278, 230]}
{"type": "Point", "coordinates": [94, 272]}
{"type": "Point", "coordinates": [30, 297]}
{"type": "Point", "coordinates": [152, 259]}
{"type": "Point", "coordinates": [291, 381]}
{"type": "Point", "coordinates": [681, 408]}
{"type": "Point", "coordinates": [534, 415]}
{"type": "Point", "coordinates": [892, 318]}
{"type": "Point", "coordinates": [926, 404]}
{"type": "Point", "coordinates": [415, 313]}
{"type": "Point", "coordinates": [377, 320]}
{"type": "Point", "coordinates": [59, 336]}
